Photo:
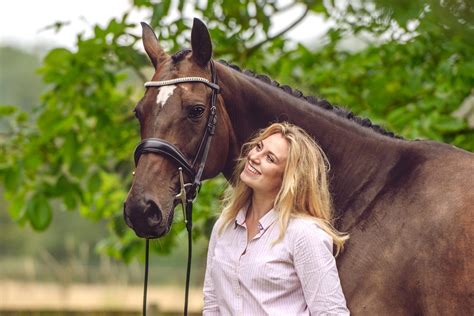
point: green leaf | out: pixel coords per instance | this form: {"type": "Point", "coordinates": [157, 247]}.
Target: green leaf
{"type": "Point", "coordinates": [318, 7]}
{"type": "Point", "coordinates": [21, 117]}
{"type": "Point", "coordinates": [94, 182]}
{"type": "Point", "coordinates": [39, 212]}
{"type": "Point", "coordinates": [32, 161]}
{"type": "Point", "coordinates": [70, 147]}
{"type": "Point", "coordinates": [99, 32]}
{"type": "Point", "coordinates": [78, 167]}
{"type": "Point", "coordinates": [449, 124]}
{"type": "Point", "coordinates": [118, 225]}
{"type": "Point", "coordinates": [70, 200]}
{"type": "Point", "coordinates": [55, 64]}
{"type": "Point", "coordinates": [16, 208]}
{"type": "Point", "coordinates": [6, 110]}
{"type": "Point", "coordinates": [12, 178]}
{"type": "Point", "coordinates": [132, 249]}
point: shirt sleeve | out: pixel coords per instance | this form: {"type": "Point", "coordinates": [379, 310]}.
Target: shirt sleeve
{"type": "Point", "coordinates": [211, 307]}
{"type": "Point", "coordinates": [316, 269]}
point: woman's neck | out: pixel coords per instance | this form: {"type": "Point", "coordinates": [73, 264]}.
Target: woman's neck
{"type": "Point", "coordinates": [259, 206]}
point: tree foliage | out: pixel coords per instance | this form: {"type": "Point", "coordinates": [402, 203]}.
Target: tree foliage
{"type": "Point", "coordinates": [74, 151]}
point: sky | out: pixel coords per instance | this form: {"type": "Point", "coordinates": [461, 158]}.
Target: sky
{"type": "Point", "coordinates": [23, 23]}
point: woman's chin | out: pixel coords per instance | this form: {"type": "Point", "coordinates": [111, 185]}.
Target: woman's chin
{"type": "Point", "coordinates": [246, 178]}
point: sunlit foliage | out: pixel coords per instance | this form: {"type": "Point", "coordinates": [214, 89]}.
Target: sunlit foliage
{"type": "Point", "coordinates": [74, 151]}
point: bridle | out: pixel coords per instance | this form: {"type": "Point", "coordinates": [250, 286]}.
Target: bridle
{"type": "Point", "coordinates": [188, 191]}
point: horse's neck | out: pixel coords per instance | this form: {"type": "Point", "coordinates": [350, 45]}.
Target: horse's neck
{"type": "Point", "coordinates": [358, 155]}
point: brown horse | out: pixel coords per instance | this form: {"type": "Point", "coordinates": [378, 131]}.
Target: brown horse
{"type": "Point", "coordinates": [407, 205]}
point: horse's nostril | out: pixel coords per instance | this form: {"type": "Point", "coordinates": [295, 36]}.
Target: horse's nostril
{"type": "Point", "coordinates": [153, 213]}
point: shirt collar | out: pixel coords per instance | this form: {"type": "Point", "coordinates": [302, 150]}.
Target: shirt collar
{"type": "Point", "coordinates": [240, 218]}
{"type": "Point", "coordinates": [264, 222]}
{"type": "Point", "coordinates": [268, 219]}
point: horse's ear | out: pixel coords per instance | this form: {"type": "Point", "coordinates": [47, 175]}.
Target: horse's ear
{"type": "Point", "coordinates": [201, 43]}
{"type": "Point", "coordinates": [153, 49]}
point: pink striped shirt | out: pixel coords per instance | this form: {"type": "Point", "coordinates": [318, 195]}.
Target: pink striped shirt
{"type": "Point", "coordinates": [297, 276]}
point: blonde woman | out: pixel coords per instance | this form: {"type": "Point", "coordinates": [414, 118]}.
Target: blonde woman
{"type": "Point", "coordinates": [271, 250]}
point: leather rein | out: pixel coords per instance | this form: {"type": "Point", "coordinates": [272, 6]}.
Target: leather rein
{"type": "Point", "coordinates": [188, 191]}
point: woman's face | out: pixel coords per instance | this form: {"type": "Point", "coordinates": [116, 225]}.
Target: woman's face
{"type": "Point", "coordinates": [263, 171]}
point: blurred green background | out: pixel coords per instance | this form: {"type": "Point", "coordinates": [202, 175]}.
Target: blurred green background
{"type": "Point", "coordinates": [67, 132]}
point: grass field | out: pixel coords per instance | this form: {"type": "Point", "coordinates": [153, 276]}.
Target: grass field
{"type": "Point", "coordinates": [27, 298]}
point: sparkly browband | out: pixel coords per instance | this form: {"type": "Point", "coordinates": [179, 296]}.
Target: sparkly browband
{"type": "Point", "coordinates": [181, 80]}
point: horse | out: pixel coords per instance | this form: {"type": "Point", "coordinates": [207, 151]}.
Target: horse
{"type": "Point", "coordinates": [407, 205]}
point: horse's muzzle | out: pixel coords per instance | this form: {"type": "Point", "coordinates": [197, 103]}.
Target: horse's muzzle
{"type": "Point", "coordinates": [145, 217]}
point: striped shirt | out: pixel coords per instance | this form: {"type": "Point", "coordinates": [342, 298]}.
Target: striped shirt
{"type": "Point", "coordinates": [297, 276]}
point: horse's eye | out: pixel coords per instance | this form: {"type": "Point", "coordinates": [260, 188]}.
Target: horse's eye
{"type": "Point", "coordinates": [196, 112]}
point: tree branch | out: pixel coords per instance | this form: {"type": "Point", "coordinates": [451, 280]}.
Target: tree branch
{"type": "Point", "coordinates": [286, 7]}
{"type": "Point", "coordinates": [252, 49]}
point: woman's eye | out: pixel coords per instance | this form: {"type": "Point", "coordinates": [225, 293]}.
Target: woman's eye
{"type": "Point", "coordinates": [259, 146]}
{"type": "Point", "coordinates": [270, 159]}
{"type": "Point", "coordinates": [196, 112]}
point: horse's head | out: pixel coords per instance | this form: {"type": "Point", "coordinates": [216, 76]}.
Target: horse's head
{"type": "Point", "coordinates": [175, 117]}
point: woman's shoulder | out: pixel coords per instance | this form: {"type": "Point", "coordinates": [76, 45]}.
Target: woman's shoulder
{"type": "Point", "coordinates": [221, 226]}
{"type": "Point", "coordinates": [217, 224]}
{"type": "Point", "coordinates": [304, 223]}
{"type": "Point", "coordinates": [305, 229]}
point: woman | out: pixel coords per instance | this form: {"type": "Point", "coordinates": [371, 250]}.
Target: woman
{"type": "Point", "coordinates": [271, 250]}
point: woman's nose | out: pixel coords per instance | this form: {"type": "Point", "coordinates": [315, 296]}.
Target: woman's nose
{"type": "Point", "coordinates": [254, 157]}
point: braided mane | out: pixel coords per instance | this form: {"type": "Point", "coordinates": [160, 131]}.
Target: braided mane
{"type": "Point", "coordinates": [314, 100]}
{"type": "Point", "coordinates": [178, 56]}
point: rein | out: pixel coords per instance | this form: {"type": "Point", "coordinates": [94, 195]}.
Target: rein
{"type": "Point", "coordinates": [188, 191]}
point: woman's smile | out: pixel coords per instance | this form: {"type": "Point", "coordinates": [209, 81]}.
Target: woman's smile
{"type": "Point", "coordinates": [252, 170]}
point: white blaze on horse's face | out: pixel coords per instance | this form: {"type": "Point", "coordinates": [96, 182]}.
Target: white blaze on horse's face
{"type": "Point", "coordinates": [165, 93]}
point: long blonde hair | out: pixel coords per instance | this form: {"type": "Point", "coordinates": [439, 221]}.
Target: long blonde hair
{"type": "Point", "coordinates": [304, 192]}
